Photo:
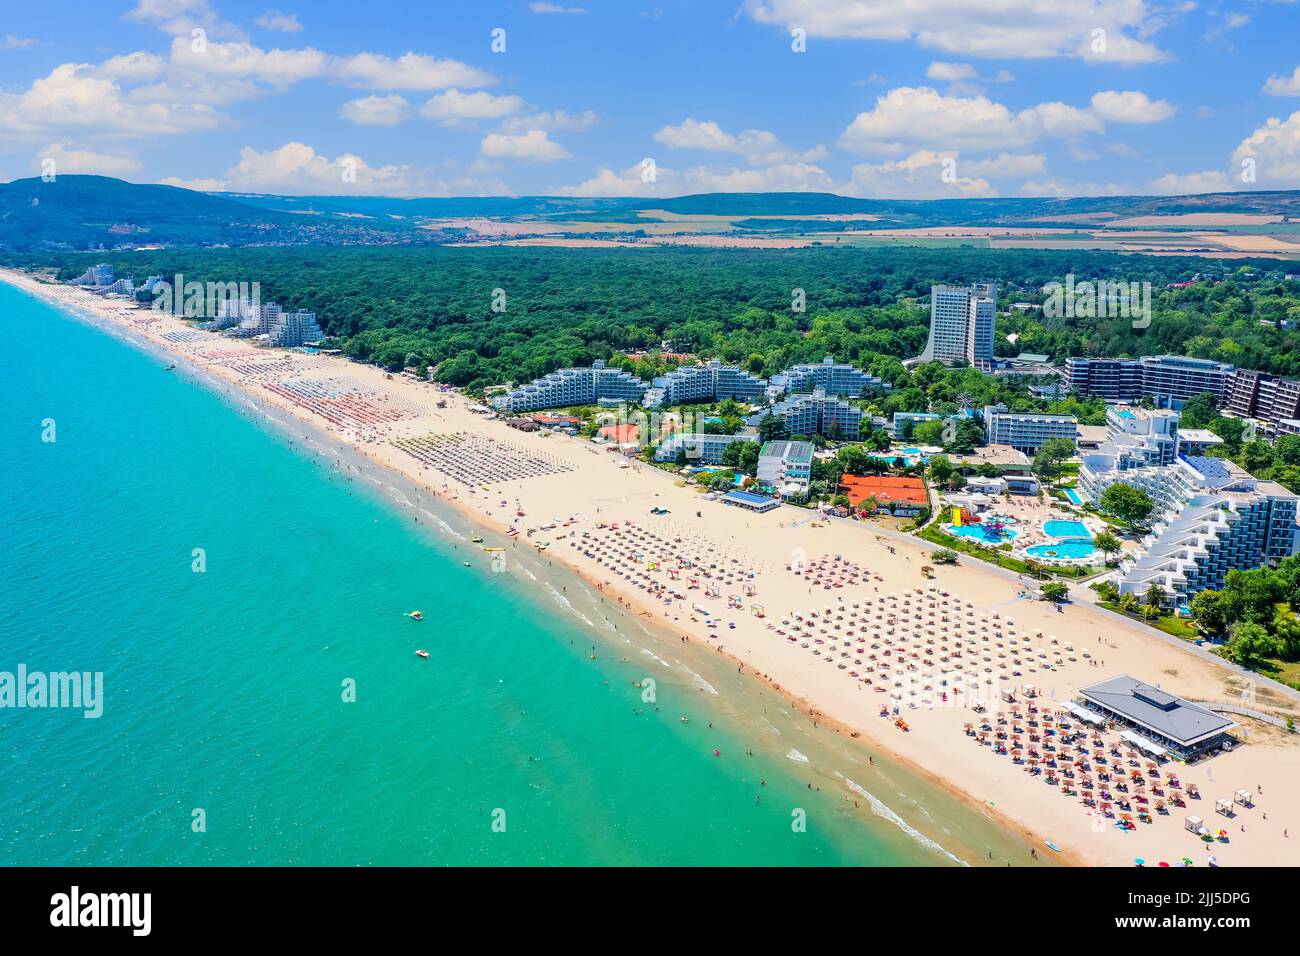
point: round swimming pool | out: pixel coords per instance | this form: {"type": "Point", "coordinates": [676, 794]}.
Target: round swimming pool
{"type": "Point", "coordinates": [1074, 549]}
{"type": "Point", "coordinates": [1067, 529]}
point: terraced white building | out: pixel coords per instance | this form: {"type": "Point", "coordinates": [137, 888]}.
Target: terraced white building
{"type": "Point", "coordinates": [1211, 517]}
{"type": "Point", "coordinates": [573, 386]}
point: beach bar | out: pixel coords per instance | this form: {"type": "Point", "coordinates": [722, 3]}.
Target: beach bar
{"type": "Point", "coordinates": [749, 501]}
{"type": "Point", "coordinates": [1158, 722]}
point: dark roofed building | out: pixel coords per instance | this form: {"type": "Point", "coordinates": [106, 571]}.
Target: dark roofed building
{"type": "Point", "coordinates": [1164, 720]}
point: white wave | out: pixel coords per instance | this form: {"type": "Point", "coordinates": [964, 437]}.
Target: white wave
{"type": "Point", "coordinates": [881, 810]}
{"type": "Point", "coordinates": [796, 756]}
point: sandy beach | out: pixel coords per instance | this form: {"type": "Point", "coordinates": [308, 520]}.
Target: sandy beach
{"type": "Point", "coordinates": [816, 638]}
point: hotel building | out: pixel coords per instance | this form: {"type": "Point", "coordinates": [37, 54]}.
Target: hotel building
{"type": "Point", "coordinates": [292, 329]}
{"type": "Point", "coordinates": [1027, 432]}
{"type": "Point", "coordinates": [573, 386]}
{"type": "Point", "coordinates": [787, 467]}
{"type": "Point", "coordinates": [1254, 394]}
{"type": "Point", "coordinates": [962, 320]}
{"type": "Point", "coordinates": [1211, 517]}
{"type": "Point", "coordinates": [707, 382]}
{"type": "Point", "coordinates": [700, 448]}
{"type": "Point", "coordinates": [816, 413]}
{"type": "Point", "coordinates": [1167, 379]}
{"type": "Point", "coordinates": [833, 378]}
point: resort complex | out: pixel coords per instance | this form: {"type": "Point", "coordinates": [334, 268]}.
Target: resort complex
{"type": "Point", "coordinates": [574, 386]}
{"type": "Point", "coordinates": [1165, 379]}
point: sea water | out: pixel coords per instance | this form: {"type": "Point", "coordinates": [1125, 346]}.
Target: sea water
{"type": "Point", "coordinates": [243, 590]}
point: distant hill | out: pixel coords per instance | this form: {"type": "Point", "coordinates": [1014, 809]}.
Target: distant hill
{"type": "Point", "coordinates": [93, 212]}
{"type": "Point", "coordinates": [86, 212]}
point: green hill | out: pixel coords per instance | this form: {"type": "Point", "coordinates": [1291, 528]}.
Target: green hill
{"type": "Point", "coordinates": [90, 212]}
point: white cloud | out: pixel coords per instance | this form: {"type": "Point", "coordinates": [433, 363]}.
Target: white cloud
{"type": "Point", "coordinates": [1181, 184]}
{"type": "Point", "coordinates": [410, 71]}
{"type": "Point", "coordinates": [180, 17]}
{"type": "Point", "coordinates": [1130, 106]}
{"type": "Point", "coordinates": [557, 121]}
{"type": "Point", "coordinates": [76, 97]}
{"type": "Point", "coordinates": [1019, 29]}
{"type": "Point", "coordinates": [554, 8]}
{"type": "Point", "coordinates": [1005, 165]}
{"type": "Point", "coordinates": [533, 146]}
{"type": "Point", "coordinates": [628, 182]}
{"type": "Point", "coordinates": [923, 117]}
{"type": "Point", "coordinates": [376, 110]}
{"type": "Point", "coordinates": [1275, 149]}
{"type": "Point", "coordinates": [1064, 190]}
{"type": "Point", "coordinates": [133, 67]}
{"type": "Point", "coordinates": [950, 72]}
{"type": "Point", "coordinates": [275, 20]}
{"type": "Point", "coordinates": [298, 169]}
{"type": "Point", "coordinates": [922, 175]}
{"type": "Point", "coordinates": [70, 160]}
{"type": "Point", "coordinates": [1284, 85]}
{"type": "Point", "coordinates": [759, 147]}
{"type": "Point", "coordinates": [11, 42]}
{"type": "Point", "coordinates": [203, 185]}
{"type": "Point", "coordinates": [454, 107]}
{"type": "Point", "coordinates": [241, 60]}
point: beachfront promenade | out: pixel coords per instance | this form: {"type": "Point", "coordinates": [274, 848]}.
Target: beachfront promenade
{"type": "Point", "coordinates": [560, 491]}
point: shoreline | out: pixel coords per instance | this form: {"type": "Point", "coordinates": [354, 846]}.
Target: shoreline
{"type": "Point", "coordinates": [969, 771]}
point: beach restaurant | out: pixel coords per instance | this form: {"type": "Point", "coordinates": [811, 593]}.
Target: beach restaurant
{"type": "Point", "coordinates": [1158, 722]}
{"type": "Point", "coordinates": [749, 501]}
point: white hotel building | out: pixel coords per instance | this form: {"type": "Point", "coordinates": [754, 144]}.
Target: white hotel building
{"type": "Point", "coordinates": [961, 324]}
{"type": "Point", "coordinates": [1026, 432]}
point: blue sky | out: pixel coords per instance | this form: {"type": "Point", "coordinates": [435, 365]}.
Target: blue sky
{"type": "Point", "coordinates": [923, 99]}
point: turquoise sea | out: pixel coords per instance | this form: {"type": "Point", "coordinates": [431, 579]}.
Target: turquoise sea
{"type": "Point", "coordinates": [224, 689]}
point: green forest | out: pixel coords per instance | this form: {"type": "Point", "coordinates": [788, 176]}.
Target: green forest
{"type": "Point", "coordinates": [433, 306]}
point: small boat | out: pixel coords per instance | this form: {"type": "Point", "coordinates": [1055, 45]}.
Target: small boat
{"type": "Point", "coordinates": [416, 615]}
{"type": "Point", "coordinates": [466, 563]}
{"type": "Point", "coordinates": [477, 539]}
{"type": "Point", "coordinates": [422, 653]}
{"type": "Point", "coordinates": [1052, 846]}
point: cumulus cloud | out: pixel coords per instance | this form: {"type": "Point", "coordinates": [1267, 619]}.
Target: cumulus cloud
{"type": "Point", "coordinates": [1275, 151]}
{"type": "Point", "coordinates": [950, 72]}
{"type": "Point", "coordinates": [1181, 184]}
{"type": "Point", "coordinates": [298, 169]}
{"type": "Point", "coordinates": [632, 181]}
{"type": "Point", "coordinates": [1006, 165]}
{"type": "Point", "coordinates": [557, 121]}
{"type": "Point", "coordinates": [410, 71]}
{"type": "Point", "coordinates": [275, 20]}
{"type": "Point", "coordinates": [77, 97]}
{"type": "Point", "coordinates": [453, 107]}
{"type": "Point", "coordinates": [1104, 31]}
{"type": "Point", "coordinates": [925, 174]}
{"type": "Point", "coordinates": [1130, 106]}
{"type": "Point", "coordinates": [70, 159]}
{"type": "Point", "coordinates": [376, 110]}
{"type": "Point", "coordinates": [1284, 85]}
{"type": "Point", "coordinates": [921, 116]}
{"type": "Point", "coordinates": [910, 117]}
{"type": "Point", "coordinates": [535, 145]}
{"type": "Point", "coordinates": [759, 147]}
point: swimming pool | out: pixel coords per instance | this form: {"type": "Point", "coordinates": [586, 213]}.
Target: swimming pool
{"type": "Point", "coordinates": [1067, 529]}
{"type": "Point", "coordinates": [976, 532]}
{"type": "Point", "coordinates": [1072, 548]}
{"type": "Point", "coordinates": [1073, 496]}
